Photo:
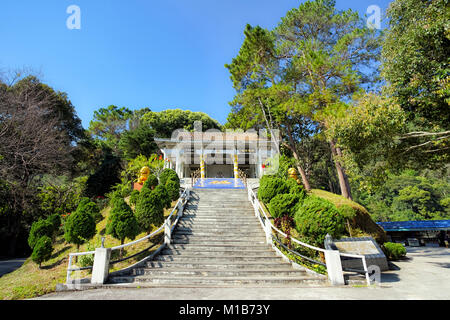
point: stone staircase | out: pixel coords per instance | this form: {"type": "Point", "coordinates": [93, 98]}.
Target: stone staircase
{"type": "Point", "coordinates": [218, 243]}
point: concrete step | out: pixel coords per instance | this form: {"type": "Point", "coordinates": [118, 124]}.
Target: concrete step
{"type": "Point", "coordinates": [243, 247]}
{"type": "Point", "coordinates": [219, 237]}
{"type": "Point", "coordinates": [221, 218]}
{"type": "Point", "coordinates": [249, 265]}
{"type": "Point", "coordinates": [218, 253]}
{"type": "Point", "coordinates": [218, 242]}
{"type": "Point", "coordinates": [219, 281]}
{"type": "Point", "coordinates": [176, 272]}
{"type": "Point", "coordinates": [222, 232]}
{"type": "Point", "coordinates": [217, 259]}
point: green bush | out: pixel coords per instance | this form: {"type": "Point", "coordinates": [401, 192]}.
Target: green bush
{"type": "Point", "coordinates": [316, 217]}
{"type": "Point", "coordinates": [167, 174]}
{"type": "Point", "coordinates": [55, 220]}
{"type": "Point", "coordinates": [296, 188]}
{"type": "Point", "coordinates": [79, 227]}
{"type": "Point", "coordinates": [42, 250]}
{"type": "Point", "coordinates": [90, 207]}
{"type": "Point", "coordinates": [151, 182]}
{"type": "Point", "coordinates": [149, 209]}
{"type": "Point", "coordinates": [173, 188]}
{"type": "Point", "coordinates": [163, 196]}
{"type": "Point", "coordinates": [39, 229]}
{"type": "Point", "coordinates": [270, 187]}
{"type": "Point", "coordinates": [122, 222]}
{"type": "Point", "coordinates": [394, 251]}
{"type": "Point", "coordinates": [134, 197]}
{"type": "Point", "coordinates": [284, 204]}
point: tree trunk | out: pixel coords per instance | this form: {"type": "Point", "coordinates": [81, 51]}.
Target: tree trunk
{"type": "Point", "coordinates": [343, 179]}
{"type": "Point", "coordinates": [292, 147]}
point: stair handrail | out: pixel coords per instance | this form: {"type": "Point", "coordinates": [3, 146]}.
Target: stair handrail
{"type": "Point", "coordinates": [268, 227]}
{"type": "Point", "coordinates": [182, 200]}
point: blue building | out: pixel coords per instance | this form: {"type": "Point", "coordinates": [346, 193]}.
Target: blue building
{"type": "Point", "coordinates": [425, 232]}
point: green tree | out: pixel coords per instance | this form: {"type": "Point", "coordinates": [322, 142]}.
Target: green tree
{"type": "Point", "coordinates": [164, 123]}
{"type": "Point", "coordinates": [79, 228]}
{"type": "Point", "coordinates": [39, 229]}
{"type": "Point", "coordinates": [139, 141]}
{"type": "Point", "coordinates": [90, 207]}
{"type": "Point", "coordinates": [108, 125]}
{"type": "Point", "coordinates": [42, 250]}
{"type": "Point", "coordinates": [149, 209]}
{"type": "Point", "coordinates": [122, 223]}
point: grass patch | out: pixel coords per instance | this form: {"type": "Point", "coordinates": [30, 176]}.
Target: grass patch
{"type": "Point", "coordinates": [29, 281]}
{"type": "Point", "coordinates": [361, 224]}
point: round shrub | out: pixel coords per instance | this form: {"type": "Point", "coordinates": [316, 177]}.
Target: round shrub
{"type": "Point", "coordinates": [122, 222]}
{"type": "Point", "coordinates": [79, 227]}
{"type": "Point", "coordinates": [284, 204]}
{"type": "Point", "coordinates": [270, 187]}
{"type": "Point", "coordinates": [55, 220]}
{"type": "Point", "coordinates": [316, 217]}
{"type": "Point", "coordinates": [151, 182]}
{"type": "Point", "coordinates": [167, 174]}
{"type": "Point", "coordinates": [134, 197]}
{"type": "Point", "coordinates": [90, 207]}
{"type": "Point", "coordinates": [173, 188]}
{"type": "Point", "coordinates": [39, 229]}
{"type": "Point", "coordinates": [149, 209]}
{"type": "Point", "coordinates": [394, 251]}
{"type": "Point", "coordinates": [42, 250]}
{"type": "Point", "coordinates": [163, 196]}
{"type": "Point", "coordinates": [295, 188]}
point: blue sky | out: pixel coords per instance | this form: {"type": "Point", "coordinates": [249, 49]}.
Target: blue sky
{"type": "Point", "coordinates": [139, 53]}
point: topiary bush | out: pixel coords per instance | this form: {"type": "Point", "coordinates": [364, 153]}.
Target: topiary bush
{"type": "Point", "coordinates": [316, 217]}
{"type": "Point", "coordinates": [284, 204]}
{"type": "Point", "coordinates": [42, 250]}
{"type": "Point", "coordinates": [79, 227]}
{"type": "Point", "coordinates": [270, 187]}
{"type": "Point", "coordinates": [122, 223]}
{"type": "Point", "coordinates": [151, 182]}
{"type": "Point", "coordinates": [90, 207]}
{"type": "Point", "coordinates": [296, 188]}
{"type": "Point", "coordinates": [394, 251]}
{"type": "Point", "coordinates": [149, 209]}
{"type": "Point", "coordinates": [173, 188]}
{"type": "Point", "coordinates": [55, 220]}
{"type": "Point", "coordinates": [134, 197]}
{"type": "Point", "coordinates": [39, 229]}
{"type": "Point", "coordinates": [163, 196]}
{"type": "Point", "coordinates": [167, 174]}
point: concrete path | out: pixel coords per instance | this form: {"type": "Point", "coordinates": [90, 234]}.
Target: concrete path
{"type": "Point", "coordinates": [7, 266]}
{"type": "Point", "coordinates": [424, 275]}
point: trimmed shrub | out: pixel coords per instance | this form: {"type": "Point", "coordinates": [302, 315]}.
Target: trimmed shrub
{"type": "Point", "coordinates": [149, 209]}
{"type": "Point", "coordinates": [284, 204]}
{"type": "Point", "coordinates": [167, 174]}
{"type": "Point", "coordinates": [80, 227]}
{"type": "Point", "coordinates": [163, 196]}
{"type": "Point", "coordinates": [90, 207]}
{"type": "Point", "coordinates": [122, 223]}
{"type": "Point", "coordinates": [296, 188]}
{"type": "Point", "coordinates": [270, 187]}
{"type": "Point", "coordinates": [39, 229]}
{"type": "Point", "coordinates": [394, 251]}
{"type": "Point", "coordinates": [173, 188]}
{"type": "Point", "coordinates": [42, 250]}
{"type": "Point", "coordinates": [55, 220]}
{"type": "Point", "coordinates": [151, 182]}
{"type": "Point", "coordinates": [134, 197]}
{"type": "Point", "coordinates": [316, 217]}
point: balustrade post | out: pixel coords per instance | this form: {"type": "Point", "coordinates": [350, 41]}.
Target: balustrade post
{"type": "Point", "coordinates": [268, 231]}
{"type": "Point", "coordinates": [100, 269]}
{"type": "Point", "coordinates": [68, 281]}
{"type": "Point", "coordinates": [167, 233]}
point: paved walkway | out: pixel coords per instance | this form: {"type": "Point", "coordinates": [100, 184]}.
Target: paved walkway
{"type": "Point", "coordinates": [7, 266]}
{"type": "Point", "coordinates": [424, 275]}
